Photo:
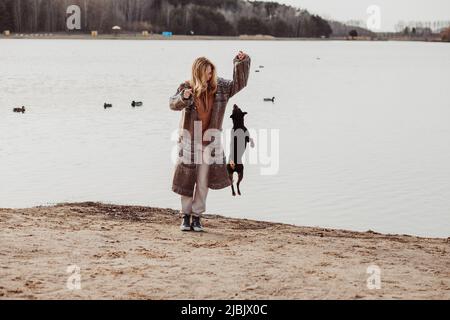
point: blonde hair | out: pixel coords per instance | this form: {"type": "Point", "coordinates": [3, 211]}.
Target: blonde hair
{"type": "Point", "coordinates": [197, 82]}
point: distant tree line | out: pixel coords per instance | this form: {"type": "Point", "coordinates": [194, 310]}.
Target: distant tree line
{"type": "Point", "coordinates": [201, 17]}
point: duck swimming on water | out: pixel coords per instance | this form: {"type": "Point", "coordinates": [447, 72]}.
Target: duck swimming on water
{"type": "Point", "coordinates": [19, 110]}
{"type": "Point", "coordinates": [136, 104]}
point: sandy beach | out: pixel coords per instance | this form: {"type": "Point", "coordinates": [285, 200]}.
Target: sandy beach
{"type": "Point", "coordinates": [129, 252]}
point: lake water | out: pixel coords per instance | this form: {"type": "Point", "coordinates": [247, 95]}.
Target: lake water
{"type": "Point", "coordinates": [364, 131]}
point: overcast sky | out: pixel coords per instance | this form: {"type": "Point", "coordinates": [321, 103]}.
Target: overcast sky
{"type": "Point", "coordinates": [392, 11]}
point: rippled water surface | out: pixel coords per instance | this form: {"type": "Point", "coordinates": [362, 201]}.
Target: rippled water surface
{"type": "Point", "coordinates": [364, 134]}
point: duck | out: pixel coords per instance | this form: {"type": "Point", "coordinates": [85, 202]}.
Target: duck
{"type": "Point", "coordinates": [261, 67]}
{"type": "Point", "coordinates": [136, 104]}
{"type": "Point", "coordinates": [107, 105]}
{"type": "Point", "coordinates": [18, 110]}
{"type": "Point", "coordinates": [270, 99]}
{"type": "Point", "coordinates": [256, 70]}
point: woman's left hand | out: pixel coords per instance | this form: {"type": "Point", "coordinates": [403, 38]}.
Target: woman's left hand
{"type": "Point", "coordinates": [241, 55]}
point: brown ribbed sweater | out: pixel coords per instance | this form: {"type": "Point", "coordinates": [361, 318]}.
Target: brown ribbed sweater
{"type": "Point", "coordinates": [204, 108]}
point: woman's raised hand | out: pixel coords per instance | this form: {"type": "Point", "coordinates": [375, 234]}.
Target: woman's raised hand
{"type": "Point", "coordinates": [187, 93]}
{"type": "Point", "coordinates": [241, 55]}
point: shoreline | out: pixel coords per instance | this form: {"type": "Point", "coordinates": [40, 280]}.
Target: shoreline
{"type": "Point", "coordinates": [136, 252]}
{"type": "Point", "coordinates": [153, 37]}
{"type": "Point", "coordinates": [172, 211]}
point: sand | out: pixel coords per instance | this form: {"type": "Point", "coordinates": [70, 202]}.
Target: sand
{"type": "Point", "coordinates": [128, 252]}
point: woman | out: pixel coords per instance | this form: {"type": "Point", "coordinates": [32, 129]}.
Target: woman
{"type": "Point", "coordinates": [203, 101]}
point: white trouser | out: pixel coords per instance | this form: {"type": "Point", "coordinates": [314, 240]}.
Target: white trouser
{"type": "Point", "coordinates": [196, 205]}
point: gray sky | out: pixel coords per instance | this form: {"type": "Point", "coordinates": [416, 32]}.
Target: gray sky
{"type": "Point", "coordinates": [392, 11]}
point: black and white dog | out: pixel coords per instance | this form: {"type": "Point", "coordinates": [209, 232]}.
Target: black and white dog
{"type": "Point", "coordinates": [240, 137]}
